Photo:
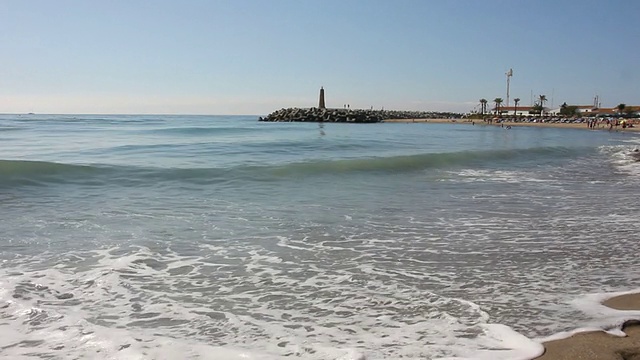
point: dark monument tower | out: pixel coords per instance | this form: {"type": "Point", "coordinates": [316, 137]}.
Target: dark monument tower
{"type": "Point", "coordinates": [321, 103]}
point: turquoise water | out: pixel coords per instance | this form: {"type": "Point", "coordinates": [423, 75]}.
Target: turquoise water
{"type": "Point", "coordinates": [222, 237]}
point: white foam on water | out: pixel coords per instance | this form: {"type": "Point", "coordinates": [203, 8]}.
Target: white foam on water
{"type": "Point", "coordinates": [122, 307]}
{"type": "Point", "coordinates": [632, 140]}
{"type": "Point", "coordinates": [315, 296]}
{"type": "Point", "coordinates": [602, 318]}
{"type": "Point", "coordinates": [34, 322]}
{"type": "Point", "coordinates": [500, 176]}
{"type": "Point", "coordinates": [101, 328]}
{"type": "Point", "coordinates": [622, 156]}
{"type": "Point", "coordinates": [500, 342]}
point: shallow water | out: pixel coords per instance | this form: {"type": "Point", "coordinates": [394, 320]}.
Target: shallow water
{"type": "Point", "coordinates": [220, 237]}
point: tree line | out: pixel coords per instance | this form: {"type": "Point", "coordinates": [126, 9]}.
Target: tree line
{"type": "Point", "coordinates": [537, 108]}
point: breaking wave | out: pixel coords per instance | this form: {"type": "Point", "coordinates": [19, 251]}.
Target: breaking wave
{"type": "Point", "coordinates": [20, 172]}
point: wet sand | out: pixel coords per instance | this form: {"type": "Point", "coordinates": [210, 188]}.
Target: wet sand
{"type": "Point", "coordinates": [513, 124]}
{"type": "Point", "coordinates": [599, 345]}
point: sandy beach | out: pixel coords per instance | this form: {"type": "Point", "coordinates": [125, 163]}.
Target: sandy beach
{"type": "Point", "coordinates": [600, 345]}
{"type": "Point", "coordinates": [512, 124]}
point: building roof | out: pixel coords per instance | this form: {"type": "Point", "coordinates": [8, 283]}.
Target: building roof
{"type": "Point", "coordinates": [605, 110]}
{"type": "Point", "coordinates": [519, 108]}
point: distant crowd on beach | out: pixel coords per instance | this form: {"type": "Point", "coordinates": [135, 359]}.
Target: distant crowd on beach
{"type": "Point", "coordinates": [592, 123]}
{"type": "Point", "coordinates": [611, 123]}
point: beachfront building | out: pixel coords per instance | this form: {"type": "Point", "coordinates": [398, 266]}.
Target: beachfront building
{"type": "Point", "coordinates": [633, 110]}
{"type": "Point", "coordinates": [591, 111]}
{"type": "Point", "coordinates": [586, 111]}
{"type": "Point", "coordinates": [518, 110]}
{"type": "Point", "coordinates": [581, 110]}
{"type": "Point", "coordinates": [599, 112]}
{"type": "Point", "coordinates": [629, 110]}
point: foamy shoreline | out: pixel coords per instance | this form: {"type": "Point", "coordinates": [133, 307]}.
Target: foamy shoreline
{"type": "Point", "coordinates": [622, 341]}
{"type": "Point", "coordinates": [613, 345]}
{"type": "Point", "coordinates": [507, 123]}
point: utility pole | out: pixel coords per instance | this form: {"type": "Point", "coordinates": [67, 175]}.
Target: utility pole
{"type": "Point", "coordinates": [509, 75]}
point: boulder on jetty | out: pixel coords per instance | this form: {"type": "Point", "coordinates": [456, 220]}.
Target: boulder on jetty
{"type": "Point", "coordinates": [345, 115]}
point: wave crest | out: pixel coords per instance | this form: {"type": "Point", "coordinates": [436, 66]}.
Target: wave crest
{"type": "Point", "coordinates": [16, 172]}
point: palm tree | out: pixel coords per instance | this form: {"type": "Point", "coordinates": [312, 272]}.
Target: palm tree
{"type": "Point", "coordinates": [498, 101]}
{"type": "Point", "coordinates": [483, 105]}
{"type": "Point", "coordinates": [542, 99]}
{"type": "Point", "coordinates": [515, 109]}
{"type": "Point", "coordinates": [621, 108]}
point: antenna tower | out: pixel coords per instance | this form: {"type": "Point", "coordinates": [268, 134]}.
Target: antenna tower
{"type": "Point", "coordinates": [509, 75]}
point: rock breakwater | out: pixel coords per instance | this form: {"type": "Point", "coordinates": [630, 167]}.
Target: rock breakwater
{"type": "Point", "coordinates": [347, 115]}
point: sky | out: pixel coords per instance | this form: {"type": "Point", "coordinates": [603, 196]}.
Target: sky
{"type": "Point", "coordinates": [256, 56]}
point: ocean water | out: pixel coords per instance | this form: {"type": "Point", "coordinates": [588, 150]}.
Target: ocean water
{"type": "Point", "coordinates": [220, 237]}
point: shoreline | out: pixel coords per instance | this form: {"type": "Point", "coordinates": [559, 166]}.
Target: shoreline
{"type": "Point", "coordinates": [617, 343]}
{"type": "Point", "coordinates": [582, 126]}
{"type": "Point", "coordinates": [600, 344]}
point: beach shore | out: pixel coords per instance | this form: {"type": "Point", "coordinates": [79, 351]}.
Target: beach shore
{"type": "Point", "coordinates": [599, 345]}
{"type": "Point", "coordinates": [509, 123]}
{"type": "Point", "coordinates": [594, 345]}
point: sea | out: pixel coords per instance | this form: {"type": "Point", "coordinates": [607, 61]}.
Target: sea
{"type": "Point", "coordinates": [222, 237]}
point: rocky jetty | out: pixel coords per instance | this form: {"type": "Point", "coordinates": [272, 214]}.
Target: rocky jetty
{"type": "Point", "coordinates": [347, 115]}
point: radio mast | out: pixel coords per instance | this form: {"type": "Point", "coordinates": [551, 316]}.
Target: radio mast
{"type": "Point", "coordinates": [509, 75]}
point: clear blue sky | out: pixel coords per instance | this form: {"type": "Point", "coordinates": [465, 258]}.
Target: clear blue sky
{"type": "Point", "coordinates": [255, 56]}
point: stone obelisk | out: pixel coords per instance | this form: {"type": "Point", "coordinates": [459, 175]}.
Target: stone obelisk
{"type": "Point", "coordinates": [321, 103]}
